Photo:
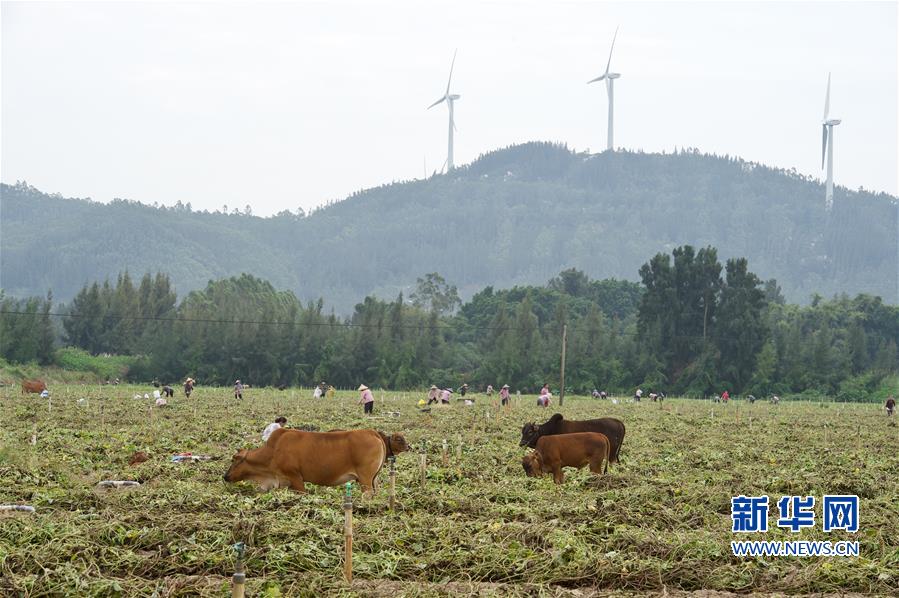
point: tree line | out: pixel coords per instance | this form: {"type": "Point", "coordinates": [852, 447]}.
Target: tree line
{"type": "Point", "coordinates": [693, 325]}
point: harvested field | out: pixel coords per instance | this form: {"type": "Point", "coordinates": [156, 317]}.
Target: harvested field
{"type": "Point", "coordinates": [659, 522]}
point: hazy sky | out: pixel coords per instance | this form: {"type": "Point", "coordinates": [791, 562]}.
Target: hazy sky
{"type": "Point", "coordinates": [293, 104]}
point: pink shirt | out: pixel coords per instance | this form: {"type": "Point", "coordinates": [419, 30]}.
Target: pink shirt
{"type": "Point", "coordinates": [445, 396]}
{"type": "Point", "coordinates": [504, 393]}
{"type": "Point", "coordinates": [367, 397]}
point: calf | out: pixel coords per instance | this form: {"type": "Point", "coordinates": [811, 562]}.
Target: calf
{"type": "Point", "coordinates": [33, 386]}
{"type": "Point", "coordinates": [567, 450]}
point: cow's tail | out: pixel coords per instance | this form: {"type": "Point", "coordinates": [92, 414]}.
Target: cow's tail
{"type": "Point", "coordinates": [615, 458]}
{"type": "Point", "coordinates": [381, 462]}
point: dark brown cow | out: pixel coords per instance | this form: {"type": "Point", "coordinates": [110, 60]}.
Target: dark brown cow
{"type": "Point", "coordinates": [611, 427]}
{"type": "Point", "coordinates": [33, 386]}
{"type": "Point", "coordinates": [567, 450]}
{"type": "Point", "coordinates": [290, 458]}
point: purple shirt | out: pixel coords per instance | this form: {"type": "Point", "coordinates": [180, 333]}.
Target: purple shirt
{"type": "Point", "coordinates": [367, 397]}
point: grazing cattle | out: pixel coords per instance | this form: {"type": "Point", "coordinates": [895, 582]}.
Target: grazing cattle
{"type": "Point", "coordinates": [567, 450]}
{"type": "Point", "coordinates": [611, 427]}
{"type": "Point", "coordinates": [290, 458]}
{"type": "Point", "coordinates": [395, 444]}
{"type": "Point", "coordinates": [33, 386]}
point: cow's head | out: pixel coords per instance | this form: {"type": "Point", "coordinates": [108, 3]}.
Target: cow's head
{"type": "Point", "coordinates": [239, 469]}
{"type": "Point", "coordinates": [532, 464]}
{"type": "Point", "coordinates": [398, 444]}
{"type": "Point", "coordinates": [529, 435]}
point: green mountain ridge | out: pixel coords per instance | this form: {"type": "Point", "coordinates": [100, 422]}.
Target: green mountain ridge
{"type": "Point", "coordinates": [518, 215]}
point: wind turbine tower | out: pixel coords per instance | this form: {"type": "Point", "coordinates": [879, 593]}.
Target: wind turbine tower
{"type": "Point", "coordinates": [827, 125]}
{"type": "Point", "coordinates": [609, 78]}
{"type": "Point", "coordinates": [449, 98]}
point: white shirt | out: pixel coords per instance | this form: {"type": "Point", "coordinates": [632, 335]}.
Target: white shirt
{"type": "Point", "coordinates": [269, 429]}
{"type": "Point", "coordinates": [317, 393]}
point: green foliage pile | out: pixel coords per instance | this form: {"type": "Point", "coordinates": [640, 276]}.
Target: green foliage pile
{"type": "Point", "coordinates": [106, 367]}
{"type": "Point", "coordinates": [515, 216]}
{"type": "Point", "coordinates": [658, 522]}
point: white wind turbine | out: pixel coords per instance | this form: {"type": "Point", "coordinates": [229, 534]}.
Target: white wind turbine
{"type": "Point", "coordinates": [610, 89]}
{"type": "Point", "coordinates": [449, 99]}
{"type": "Point", "coordinates": [827, 145]}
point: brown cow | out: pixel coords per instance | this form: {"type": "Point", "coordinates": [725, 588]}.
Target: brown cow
{"type": "Point", "coordinates": [290, 458]}
{"type": "Point", "coordinates": [395, 444]}
{"type": "Point", "coordinates": [611, 427]}
{"type": "Point", "coordinates": [33, 386]}
{"type": "Point", "coordinates": [567, 450]}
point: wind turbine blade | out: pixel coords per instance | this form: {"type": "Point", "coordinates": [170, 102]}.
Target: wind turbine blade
{"type": "Point", "coordinates": [827, 98]}
{"type": "Point", "coordinates": [609, 63]}
{"type": "Point", "coordinates": [823, 144]}
{"type": "Point", "coordinates": [450, 80]}
{"type": "Point", "coordinates": [441, 100]}
{"type": "Point", "coordinates": [600, 78]}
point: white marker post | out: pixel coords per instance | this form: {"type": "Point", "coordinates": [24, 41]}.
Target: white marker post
{"type": "Point", "coordinates": [239, 579]}
{"type": "Point", "coordinates": [392, 497]}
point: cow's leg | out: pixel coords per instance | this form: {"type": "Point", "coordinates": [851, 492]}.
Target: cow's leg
{"type": "Point", "coordinates": [558, 476]}
{"type": "Point", "coordinates": [297, 484]}
{"type": "Point", "coordinates": [369, 484]}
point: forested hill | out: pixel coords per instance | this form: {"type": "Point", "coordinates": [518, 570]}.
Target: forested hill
{"type": "Point", "coordinates": [514, 216]}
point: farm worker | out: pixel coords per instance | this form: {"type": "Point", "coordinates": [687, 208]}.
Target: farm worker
{"type": "Point", "coordinates": [890, 405]}
{"type": "Point", "coordinates": [189, 387]}
{"type": "Point", "coordinates": [445, 396]}
{"type": "Point", "coordinates": [330, 392]}
{"type": "Point", "coordinates": [545, 389]}
{"type": "Point", "coordinates": [433, 394]}
{"type": "Point", "coordinates": [367, 400]}
{"type": "Point", "coordinates": [318, 392]}
{"type": "Point", "coordinates": [638, 395]}
{"type": "Point", "coordinates": [595, 394]}
{"type": "Point", "coordinates": [544, 399]}
{"type": "Point", "coordinates": [504, 394]}
{"type": "Point", "coordinates": [168, 391]}
{"type": "Point", "coordinates": [238, 389]}
{"type": "Point", "coordinates": [725, 396]}
{"type": "Point", "coordinates": [603, 395]}
{"type": "Point", "coordinates": [279, 422]}
{"type": "Point", "coordinates": [463, 389]}
{"type": "Point", "coordinates": [489, 390]}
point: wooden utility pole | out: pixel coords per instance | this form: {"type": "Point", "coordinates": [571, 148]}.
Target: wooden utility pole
{"type": "Point", "coordinates": [564, 342]}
